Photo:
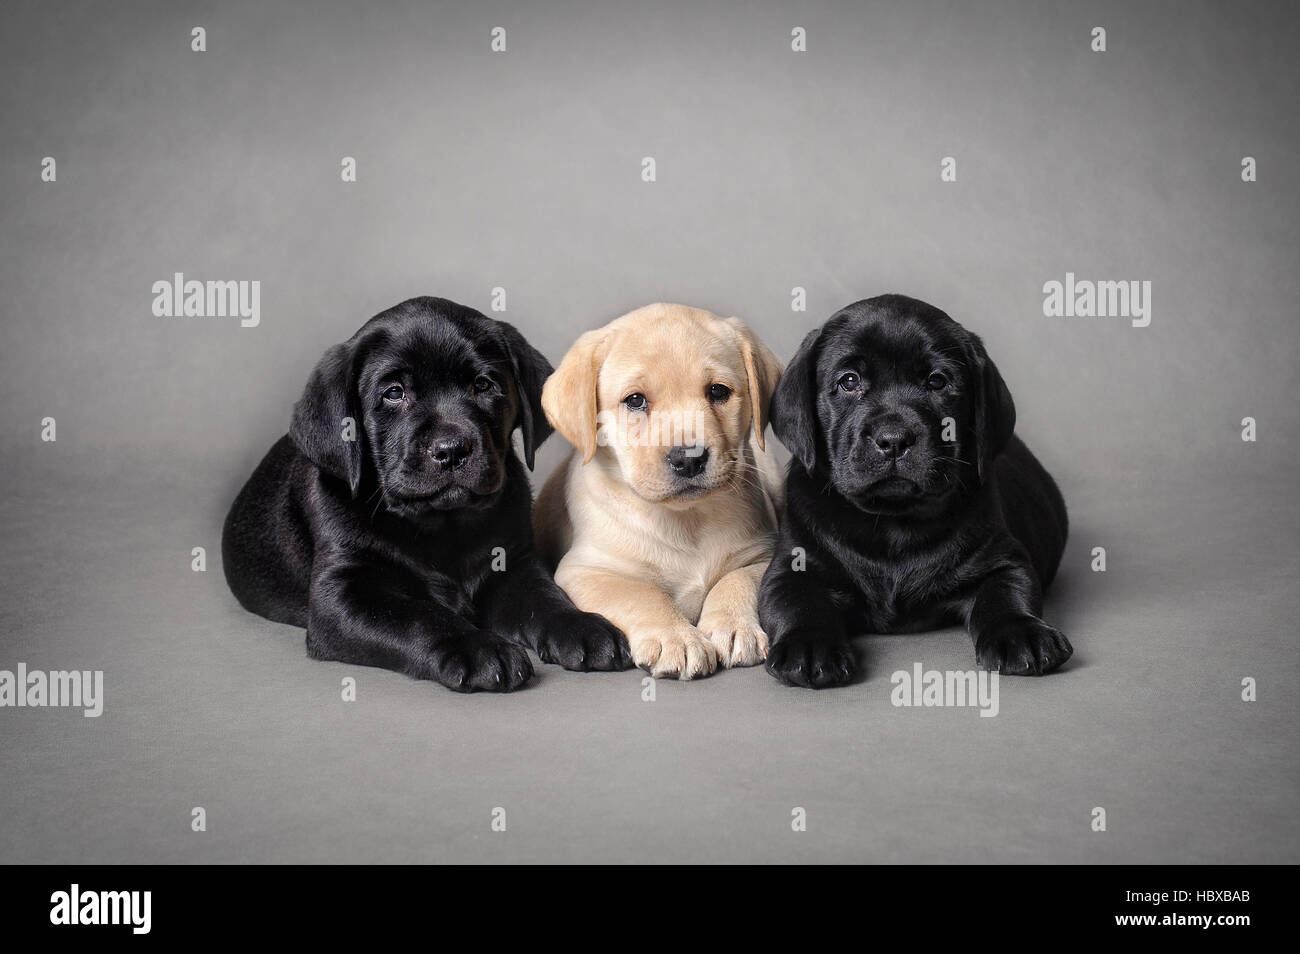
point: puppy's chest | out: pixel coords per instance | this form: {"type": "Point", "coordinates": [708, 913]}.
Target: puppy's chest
{"type": "Point", "coordinates": [456, 574]}
{"type": "Point", "coordinates": [690, 573]}
{"type": "Point", "coordinates": [905, 594]}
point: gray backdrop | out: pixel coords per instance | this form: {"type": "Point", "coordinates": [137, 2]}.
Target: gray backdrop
{"type": "Point", "coordinates": [775, 169]}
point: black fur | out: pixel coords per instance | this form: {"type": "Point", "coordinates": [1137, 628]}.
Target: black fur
{"type": "Point", "coordinates": [384, 546]}
{"type": "Point", "coordinates": [902, 529]}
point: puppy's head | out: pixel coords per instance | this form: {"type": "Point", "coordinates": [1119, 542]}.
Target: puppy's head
{"type": "Point", "coordinates": [896, 403]}
{"type": "Point", "coordinates": [668, 394]}
{"type": "Point", "coordinates": [433, 392]}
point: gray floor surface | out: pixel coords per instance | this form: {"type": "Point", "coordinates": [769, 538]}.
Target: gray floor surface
{"type": "Point", "coordinates": [209, 706]}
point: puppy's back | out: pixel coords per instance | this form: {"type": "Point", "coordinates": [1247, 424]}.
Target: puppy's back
{"type": "Point", "coordinates": [1033, 507]}
{"type": "Point", "coordinates": [552, 527]}
{"type": "Point", "coordinates": [266, 548]}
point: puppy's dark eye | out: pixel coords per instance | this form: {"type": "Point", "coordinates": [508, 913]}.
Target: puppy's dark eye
{"type": "Point", "coordinates": [718, 393]}
{"type": "Point", "coordinates": [394, 394]}
{"type": "Point", "coordinates": [635, 402]}
{"type": "Point", "coordinates": [482, 383]}
{"type": "Point", "coordinates": [849, 382]}
{"type": "Point", "coordinates": [937, 381]}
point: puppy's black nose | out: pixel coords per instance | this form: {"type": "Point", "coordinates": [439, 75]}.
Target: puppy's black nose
{"type": "Point", "coordinates": [893, 441]}
{"type": "Point", "coordinates": [688, 461]}
{"type": "Point", "coordinates": [450, 452]}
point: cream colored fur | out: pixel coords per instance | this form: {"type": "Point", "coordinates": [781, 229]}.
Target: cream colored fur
{"type": "Point", "coordinates": [678, 574]}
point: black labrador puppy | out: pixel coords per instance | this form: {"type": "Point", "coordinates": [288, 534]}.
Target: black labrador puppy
{"type": "Point", "coordinates": [393, 521]}
{"type": "Point", "coordinates": [909, 502]}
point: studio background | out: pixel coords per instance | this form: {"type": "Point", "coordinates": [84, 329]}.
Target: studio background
{"type": "Point", "coordinates": [775, 169]}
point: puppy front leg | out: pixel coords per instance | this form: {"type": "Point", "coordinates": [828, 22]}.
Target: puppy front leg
{"type": "Point", "coordinates": [358, 613]}
{"type": "Point", "coordinates": [730, 617]}
{"type": "Point", "coordinates": [525, 604]}
{"type": "Point", "coordinates": [662, 640]}
{"type": "Point", "coordinates": [1003, 621]}
{"type": "Point", "coordinates": [806, 623]}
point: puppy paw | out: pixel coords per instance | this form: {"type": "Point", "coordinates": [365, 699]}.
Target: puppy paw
{"type": "Point", "coordinates": [1022, 646]}
{"type": "Point", "coordinates": [681, 654]}
{"type": "Point", "coordinates": [584, 642]}
{"type": "Point", "coordinates": [740, 641]}
{"type": "Point", "coordinates": [481, 662]}
{"type": "Point", "coordinates": [811, 661]}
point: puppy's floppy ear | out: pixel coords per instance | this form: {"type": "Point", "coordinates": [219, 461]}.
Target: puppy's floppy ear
{"type": "Point", "coordinates": [994, 411]}
{"type": "Point", "coordinates": [569, 398]}
{"type": "Point", "coordinates": [531, 370]}
{"type": "Point", "coordinates": [794, 403]}
{"type": "Point", "coordinates": [762, 370]}
{"type": "Point", "coordinates": [318, 418]}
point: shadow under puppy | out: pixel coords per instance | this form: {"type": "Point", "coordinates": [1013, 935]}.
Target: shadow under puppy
{"type": "Point", "coordinates": [664, 517]}
{"type": "Point", "coordinates": [393, 520]}
{"type": "Point", "coordinates": [912, 501]}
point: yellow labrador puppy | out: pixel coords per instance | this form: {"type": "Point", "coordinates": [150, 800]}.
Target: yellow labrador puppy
{"type": "Point", "coordinates": [664, 517]}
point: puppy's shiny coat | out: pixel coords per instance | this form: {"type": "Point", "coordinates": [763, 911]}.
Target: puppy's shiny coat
{"type": "Point", "coordinates": [663, 519]}
{"type": "Point", "coordinates": [393, 520]}
{"type": "Point", "coordinates": [911, 499]}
